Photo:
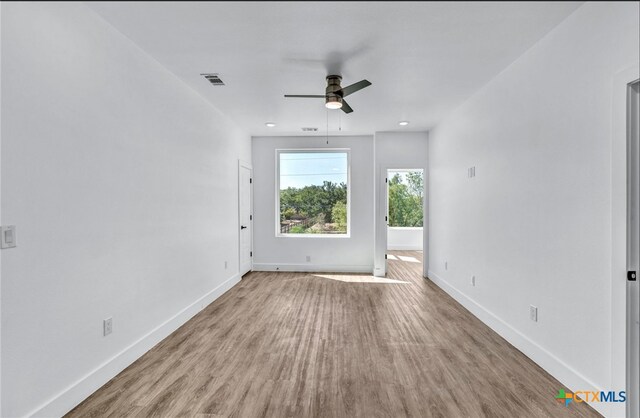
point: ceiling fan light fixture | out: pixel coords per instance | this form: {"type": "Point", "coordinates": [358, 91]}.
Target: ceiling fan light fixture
{"type": "Point", "coordinates": [333, 102]}
{"type": "Point", "coordinates": [335, 92]}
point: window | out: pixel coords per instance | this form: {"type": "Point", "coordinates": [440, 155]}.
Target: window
{"type": "Point", "coordinates": [405, 198]}
{"type": "Point", "coordinates": [313, 193]}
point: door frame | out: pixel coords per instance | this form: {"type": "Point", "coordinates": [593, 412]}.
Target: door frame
{"type": "Point", "coordinates": [633, 258]}
{"type": "Point", "coordinates": [241, 165]}
{"type": "Point", "coordinates": [380, 224]}
{"type": "Point", "coordinates": [618, 280]}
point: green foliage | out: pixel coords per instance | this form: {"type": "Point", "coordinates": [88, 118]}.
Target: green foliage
{"type": "Point", "coordinates": [339, 214]}
{"type": "Point", "coordinates": [298, 229]}
{"type": "Point", "coordinates": [405, 200]}
{"type": "Point", "coordinates": [312, 202]}
{"type": "Point", "coordinates": [288, 213]}
{"type": "Point", "coordinates": [416, 183]}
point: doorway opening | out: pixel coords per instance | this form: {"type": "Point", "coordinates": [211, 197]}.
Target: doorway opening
{"type": "Point", "coordinates": [245, 217]}
{"type": "Point", "coordinates": [633, 249]}
{"type": "Point", "coordinates": [405, 217]}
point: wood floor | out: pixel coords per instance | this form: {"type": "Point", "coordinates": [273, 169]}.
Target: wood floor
{"type": "Point", "coordinates": [333, 345]}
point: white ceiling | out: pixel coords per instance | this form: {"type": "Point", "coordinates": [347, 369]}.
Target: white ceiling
{"type": "Point", "coordinates": [423, 58]}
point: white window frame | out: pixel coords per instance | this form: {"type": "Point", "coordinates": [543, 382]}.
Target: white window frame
{"type": "Point", "coordinates": [277, 192]}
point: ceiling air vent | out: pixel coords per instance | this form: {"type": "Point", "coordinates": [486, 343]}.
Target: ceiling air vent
{"type": "Point", "coordinates": [309, 129]}
{"type": "Point", "coordinates": [213, 79]}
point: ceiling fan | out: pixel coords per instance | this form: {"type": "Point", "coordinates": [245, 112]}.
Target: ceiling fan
{"type": "Point", "coordinates": [334, 96]}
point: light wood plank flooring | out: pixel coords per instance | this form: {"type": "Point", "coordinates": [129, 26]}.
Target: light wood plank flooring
{"type": "Point", "coordinates": [333, 345]}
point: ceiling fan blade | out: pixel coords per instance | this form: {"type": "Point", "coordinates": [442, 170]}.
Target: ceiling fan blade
{"type": "Point", "coordinates": [345, 107]}
{"type": "Point", "coordinates": [354, 87]}
{"type": "Point", "coordinates": [306, 95]}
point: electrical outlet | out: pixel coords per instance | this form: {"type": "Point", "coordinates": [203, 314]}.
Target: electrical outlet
{"type": "Point", "coordinates": [8, 236]}
{"type": "Point", "coordinates": [308, 259]}
{"type": "Point", "coordinates": [107, 326]}
{"type": "Point", "coordinates": [533, 313]}
{"type": "Point", "coordinates": [446, 265]}
{"type": "Point", "coordinates": [473, 281]}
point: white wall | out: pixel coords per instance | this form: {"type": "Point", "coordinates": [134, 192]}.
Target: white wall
{"type": "Point", "coordinates": [534, 226]}
{"type": "Point", "coordinates": [396, 150]}
{"type": "Point", "coordinates": [327, 253]}
{"type": "Point", "coordinates": [0, 209]}
{"type": "Point", "coordinates": [122, 183]}
{"type": "Point", "coordinates": [404, 238]}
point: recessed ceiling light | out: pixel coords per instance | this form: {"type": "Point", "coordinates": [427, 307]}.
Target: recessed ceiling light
{"type": "Point", "coordinates": [269, 124]}
{"type": "Point", "coordinates": [403, 123]}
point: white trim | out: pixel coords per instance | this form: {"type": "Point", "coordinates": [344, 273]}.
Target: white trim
{"type": "Point", "coordinates": [405, 170]}
{"type": "Point", "coordinates": [404, 247]}
{"type": "Point", "coordinates": [425, 215]}
{"type": "Point", "coordinates": [568, 376]}
{"type": "Point", "coordinates": [248, 166]}
{"type": "Point", "coordinates": [380, 223]}
{"type": "Point", "coordinates": [632, 345]}
{"type": "Point", "coordinates": [70, 397]}
{"type": "Point", "coordinates": [381, 227]}
{"type": "Point", "coordinates": [313, 268]}
{"type": "Point", "coordinates": [277, 191]}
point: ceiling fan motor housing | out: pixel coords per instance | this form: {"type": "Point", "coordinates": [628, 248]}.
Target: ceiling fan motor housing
{"type": "Point", "coordinates": [333, 85]}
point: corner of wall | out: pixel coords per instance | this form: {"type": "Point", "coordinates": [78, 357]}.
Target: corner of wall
{"type": "Point", "coordinates": [73, 395]}
{"type": "Point", "coordinates": [545, 359]}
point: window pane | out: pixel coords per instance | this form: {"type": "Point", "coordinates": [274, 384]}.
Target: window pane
{"type": "Point", "coordinates": [313, 192]}
{"type": "Point", "coordinates": [405, 198]}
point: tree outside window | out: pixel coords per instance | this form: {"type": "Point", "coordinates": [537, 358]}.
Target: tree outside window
{"type": "Point", "coordinates": [313, 192]}
{"type": "Point", "coordinates": [406, 189]}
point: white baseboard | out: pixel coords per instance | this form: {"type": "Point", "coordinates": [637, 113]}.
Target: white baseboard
{"type": "Point", "coordinates": [405, 247]}
{"type": "Point", "coordinates": [70, 397]}
{"type": "Point", "coordinates": [568, 376]}
{"type": "Point", "coordinates": [319, 268]}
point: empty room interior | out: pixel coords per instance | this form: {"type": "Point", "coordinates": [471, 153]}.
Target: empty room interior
{"type": "Point", "coordinates": [319, 209]}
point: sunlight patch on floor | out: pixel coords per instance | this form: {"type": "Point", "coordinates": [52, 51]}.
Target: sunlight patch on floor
{"type": "Point", "coordinates": [408, 259]}
{"type": "Point", "coordinates": [354, 278]}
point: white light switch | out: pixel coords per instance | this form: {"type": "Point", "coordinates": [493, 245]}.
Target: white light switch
{"type": "Point", "coordinates": [8, 236]}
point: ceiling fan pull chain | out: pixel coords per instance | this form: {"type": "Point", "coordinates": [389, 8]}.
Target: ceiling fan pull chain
{"type": "Point", "coordinates": [327, 127]}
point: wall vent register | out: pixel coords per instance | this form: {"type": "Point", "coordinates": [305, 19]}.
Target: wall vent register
{"type": "Point", "coordinates": [213, 79]}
